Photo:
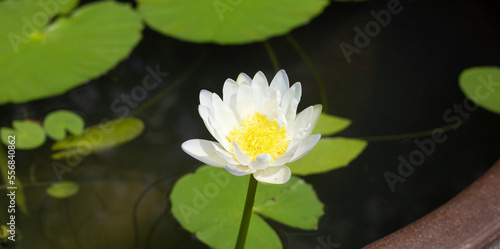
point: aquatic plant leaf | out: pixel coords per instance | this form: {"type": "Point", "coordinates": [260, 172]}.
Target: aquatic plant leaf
{"type": "Point", "coordinates": [210, 204]}
{"type": "Point", "coordinates": [482, 86]}
{"type": "Point", "coordinates": [99, 137]}
{"type": "Point", "coordinates": [63, 189]}
{"type": "Point", "coordinates": [329, 154]}
{"type": "Point", "coordinates": [329, 124]}
{"type": "Point", "coordinates": [58, 122]}
{"type": "Point", "coordinates": [4, 169]}
{"type": "Point", "coordinates": [228, 22]}
{"type": "Point", "coordinates": [294, 204]}
{"type": "Point", "coordinates": [28, 134]}
{"type": "Point", "coordinates": [66, 6]}
{"type": "Point", "coordinates": [41, 59]}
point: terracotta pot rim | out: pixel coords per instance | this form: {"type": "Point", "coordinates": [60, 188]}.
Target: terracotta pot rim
{"type": "Point", "coordinates": [469, 220]}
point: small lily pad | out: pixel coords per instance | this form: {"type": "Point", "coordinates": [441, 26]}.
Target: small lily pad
{"type": "Point", "coordinates": [42, 59]}
{"type": "Point", "coordinates": [329, 124]}
{"type": "Point", "coordinates": [58, 122]}
{"type": "Point", "coordinates": [328, 154]}
{"type": "Point", "coordinates": [482, 86]}
{"type": "Point", "coordinates": [210, 204]}
{"type": "Point", "coordinates": [63, 189]}
{"type": "Point", "coordinates": [228, 21]}
{"type": "Point", "coordinates": [28, 134]}
{"type": "Point", "coordinates": [99, 137]}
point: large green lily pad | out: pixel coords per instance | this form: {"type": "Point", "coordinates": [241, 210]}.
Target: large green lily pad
{"type": "Point", "coordinates": [228, 21]}
{"type": "Point", "coordinates": [329, 124]}
{"type": "Point", "coordinates": [482, 85]}
{"type": "Point", "coordinates": [41, 59]}
{"type": "Point", "coordinates": [210, 204]}
{"type": "Point", "coordinates": [329, 154]}
{"type": "Point", "coordinates": [99, 137]}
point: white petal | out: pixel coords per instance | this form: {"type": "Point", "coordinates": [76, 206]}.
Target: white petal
{"type": "Point", "coordinates": [260, 89]}
{"type": "Point", "coordinates": [272, 111]}
{"type": "Point", "coordinates": [302, 124]}
{"type": "Point", "coordinates": [273, 175]}
{"type": "Point", "coordinates": [262, 161]}
{"type": "Point", "coordinates": [240, 156]}
{"type": "Point", "coordinates": [212, 126]}
{"type": "Point", "coordinates": [205, 112]}
{"type": "Point", "coordinates": [217, 133]}
{"type": "Point", "coordinates": [283, 159]}
{"type": "Point", "coordinates": [315, 117]}
{"type": "Point", "coordinates": [305, 146]}
{"type": "Point", "coordinates": [224, 154]}
{"type": "Point", "coordinates": [229, 89]}
{"type": "Point", "coordinates": [243, 78]}
{"type": "Point", "coordinates": [229, 93]}
{"type": "Point", "coordinates": [245, 103]}
{"type": "Point", "coordinates": [203, 150]}
{"type": "Point", "coordinates": [223, 115]}
{"type": "Point", "coordinates": [290, 102]}
{"type": "Point", "coordinates": [239, 170]}
{"type": "Point", "coordinates": [280, 82]}
{"type": "Point", "coordinates": [206, 98]}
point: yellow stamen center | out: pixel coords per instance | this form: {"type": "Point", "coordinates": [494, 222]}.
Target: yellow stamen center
{"type": "Point", "coordinates": [257, 135]}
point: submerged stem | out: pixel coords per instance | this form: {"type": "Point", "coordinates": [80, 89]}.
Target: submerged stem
{"type": "Point", "coordinates": [272, 55]}
{"type": "Point", "coordinates": [314, 71]}
{"type": "Point", "coordinates": [247, 213]}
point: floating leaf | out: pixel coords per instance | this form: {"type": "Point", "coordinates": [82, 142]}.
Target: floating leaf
{"type": "Point", "coordinates": [64, 8]}
{"type": "Point", "coordinates": [328, 154]}
{"type": "Point", "coordinates": [28, 134]}
{"type": "Point", "coordinates": [228, 22]}
{"type": "Point", "coordinates": [4, 169]}
{"type": "Point", "coordinates": [329, 124]}
{"type": "Point", "coordinates": [4, 233]}
{"type": "Point", "coordinates": [58, 122]}
{"type": "Point", "coordinates": [63, 189]}
{"type": "Point", "coordinates": [41, 60]}
{"type": "Point", "coordinates": [99, 137]}
{"type": "Point", "coordinates": [210, 204]}
{"type": "Point", "coordinates": [482, 85]}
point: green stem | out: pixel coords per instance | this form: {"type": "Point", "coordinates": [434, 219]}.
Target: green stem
{"type": "Point", "coordinates": [407, 135]}
{"type": "Point", "coordinates": [247, 213]}
{"type": "Point", "coordinates": [314, 71]}
{"type": "Point", "coordinates": [185, 75]}
{"type": "Point", "coordinates": [272, 55]}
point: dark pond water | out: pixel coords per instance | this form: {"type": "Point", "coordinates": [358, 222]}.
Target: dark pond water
{"type": "Point", "coordinates": [404, 81]}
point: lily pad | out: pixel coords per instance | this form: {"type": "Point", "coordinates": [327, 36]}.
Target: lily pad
{"type": "Point", "coordinates": [28, 134]}
{"type": "Point", "coordinates": [328, 154]}
{"type": "Point", "coordinates": [210, 204]}
{"type": "Point", "coordinates": [482, 86]}
{"type": "Point", "coordinates": [4, 169]}
{"type": "Point", "coordinates": [41, 59]}
{"type": "Point", "coordinates": [228, 21]}
{"type": "Point", "coordinates": [63, 189]}
{"type": "Point", "coordinates": [99, 137]}
{"type": "Point", "coordinates": [58, 122]}
{"type": "Point", "coordinates": [64, 6]}
{"type": "Point", "coordinates": [329, 124]}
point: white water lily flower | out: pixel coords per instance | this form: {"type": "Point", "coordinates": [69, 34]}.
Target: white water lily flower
{"type": "Point", "coordinates": [256, 126]}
